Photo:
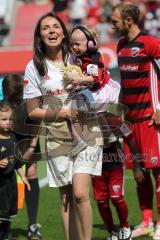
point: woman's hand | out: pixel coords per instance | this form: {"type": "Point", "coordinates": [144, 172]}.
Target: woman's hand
{"type": "Point", "coordinates": [69, 113]}
{"type": "Point", "coordinates": [155, 118]}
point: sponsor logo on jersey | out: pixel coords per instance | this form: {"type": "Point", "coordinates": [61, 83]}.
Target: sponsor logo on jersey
{"type": "Point", "coordinates": [129, 68]}
{"type": "Point", "coordinates": [56, 92]}
{"type": "Point", "coordinates": [116, 188]}
{"type": "Point", "coordinates": [135, 51]}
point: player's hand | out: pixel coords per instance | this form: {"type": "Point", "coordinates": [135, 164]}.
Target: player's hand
{"type": "Point", "coordinates": [4, 162]}
{"type": "Point", "coordinates": [155, 118]}
{"type": "Point", "coordinates": [138, 175]}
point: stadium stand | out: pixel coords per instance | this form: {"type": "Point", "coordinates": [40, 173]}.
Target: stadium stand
{"type": "Point", "coordinates": [6, 7]}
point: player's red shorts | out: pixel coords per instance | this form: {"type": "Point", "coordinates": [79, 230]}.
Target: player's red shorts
{"type": "Point", "coordinates": [109, 184]}
{"type": "Point", "coordinates": [148, 143]}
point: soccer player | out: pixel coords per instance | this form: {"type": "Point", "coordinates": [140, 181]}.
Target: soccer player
{"type": "Point", "coordinates": [138, 56]}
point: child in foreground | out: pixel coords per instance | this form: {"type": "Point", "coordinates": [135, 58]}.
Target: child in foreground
{"type": "Point", "coordinates": [25, 129]}
{"type": "Point", "coordinates": [10, 160]}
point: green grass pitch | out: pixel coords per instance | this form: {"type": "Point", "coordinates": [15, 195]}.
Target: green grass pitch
{"type": "Point", "coordinates": [49, 216]}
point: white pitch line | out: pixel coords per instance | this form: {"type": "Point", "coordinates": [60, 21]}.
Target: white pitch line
{"type": "Point", "coordinates": [43, 182]}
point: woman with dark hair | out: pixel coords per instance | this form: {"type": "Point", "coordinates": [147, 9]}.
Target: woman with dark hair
{"type": "Point", "coordinates": [48, 101]}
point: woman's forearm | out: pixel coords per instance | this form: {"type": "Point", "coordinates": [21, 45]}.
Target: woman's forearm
{"type": "Point", "coordinates": [37, 113]}
{"type": "Point", "coordinates": [43, 114]}
{"type": "Point", "coordinates": [47, 115]}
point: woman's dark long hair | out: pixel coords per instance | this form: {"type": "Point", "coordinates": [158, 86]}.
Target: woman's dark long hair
{"type": "Point", "coordinates": [39, 50]}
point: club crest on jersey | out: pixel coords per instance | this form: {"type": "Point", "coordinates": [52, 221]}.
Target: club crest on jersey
{"type": "Point", "coordinates": [154, 160]}
{"type": "Point", "coordinates": [135, 51]}
{"type": "Point", "coordinates": [92, 69]}
{"type": "Point", "coordinates": [116, 188]}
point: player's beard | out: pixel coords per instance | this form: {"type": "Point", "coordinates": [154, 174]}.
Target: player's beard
{"type": "Point", "coordinates": [124, 32]}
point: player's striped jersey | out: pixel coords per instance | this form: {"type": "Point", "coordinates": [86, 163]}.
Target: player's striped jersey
{"type": "Point", "coordinates": [139, 74]}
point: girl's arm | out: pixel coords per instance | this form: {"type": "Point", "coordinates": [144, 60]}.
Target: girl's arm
{"type": "Point", "coordinates": [26, 156]}
{"type": "Point", "coordinates": [23, 177]}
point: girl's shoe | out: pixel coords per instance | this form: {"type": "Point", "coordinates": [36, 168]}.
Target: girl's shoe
{"type": "Point", "coordinates": [34, 233]}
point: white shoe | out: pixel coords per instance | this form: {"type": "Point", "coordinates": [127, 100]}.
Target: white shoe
{"type": "Point", "coordinates": [81, 145]}
{"type": "Point", "coordinates": [34, 233]}
{"type": "Point", "coordinates": [156, 235]}
{"type": "Point", "coordinates": [125, 233]}
{"type": "Point", "coordinates": [142, 230]}
{"type": "Point", "coordinates": [112, 236]}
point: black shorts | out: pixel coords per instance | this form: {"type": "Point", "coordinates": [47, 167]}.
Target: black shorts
{"type": "Point", "coordinates": [8, 196]}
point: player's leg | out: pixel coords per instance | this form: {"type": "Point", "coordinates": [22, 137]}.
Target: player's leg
{"type": "Point", "coordinates": [145, 140]}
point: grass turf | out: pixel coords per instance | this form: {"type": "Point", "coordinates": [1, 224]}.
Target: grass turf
{"type": "Point", "coordinates": [49, 215]}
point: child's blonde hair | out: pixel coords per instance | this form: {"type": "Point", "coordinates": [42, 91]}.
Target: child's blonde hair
{"type": "Point", "coordinates": [4, 107]}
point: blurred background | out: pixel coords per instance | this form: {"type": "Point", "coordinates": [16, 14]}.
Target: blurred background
{"type": "Point", "coordinates": [18, 19]}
